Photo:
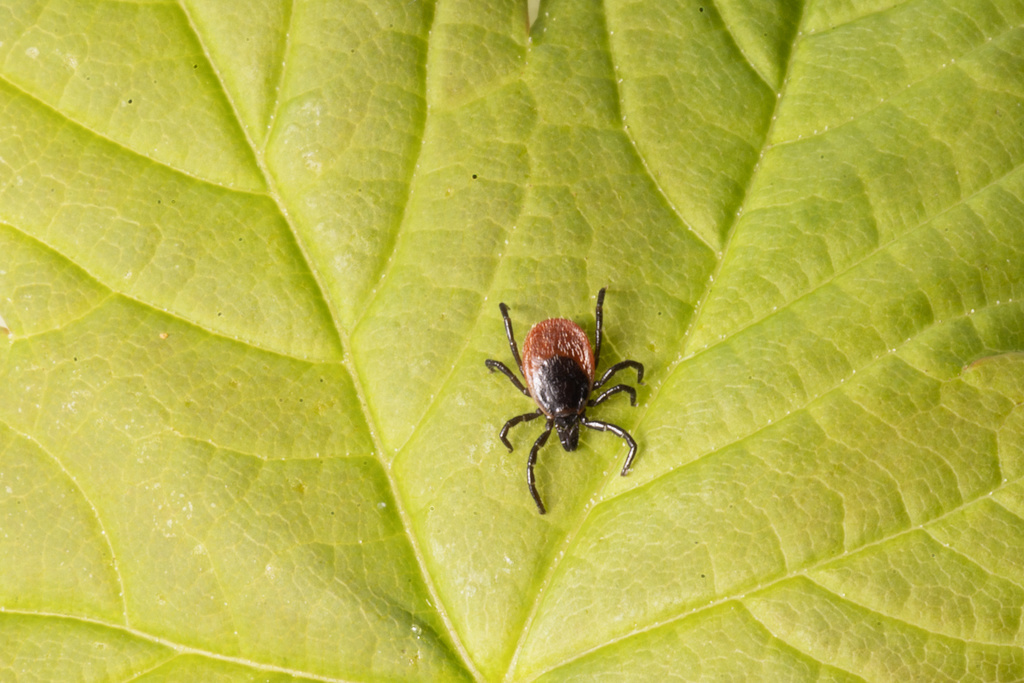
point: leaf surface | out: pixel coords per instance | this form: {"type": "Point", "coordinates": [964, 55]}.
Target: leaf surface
{"type": "Point", "coordinates": [250, 265]}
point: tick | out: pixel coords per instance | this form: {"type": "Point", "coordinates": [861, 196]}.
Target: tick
{"type": "Point", "coordinates": [558, 365]}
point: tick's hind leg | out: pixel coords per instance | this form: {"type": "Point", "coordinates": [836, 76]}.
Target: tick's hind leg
{"type": "Point", "coordinates": [511, 338]}
{"type": "Point", "coordinates": [617, 431]}
{"type": "Point", "coordinates": [526, 417]}
{"type": "Point", "coordinates": [598, 320]}
{"type": "Point", "coordinates": [530, 480]}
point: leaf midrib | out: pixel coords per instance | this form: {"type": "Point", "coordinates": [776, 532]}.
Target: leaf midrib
{"type": "Point", "coordinates": [344, 341]}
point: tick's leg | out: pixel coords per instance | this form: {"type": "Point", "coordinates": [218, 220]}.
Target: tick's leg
{"type": "Point", "coordinates": [618, 431]}
{"type": "Point", "coordinates": [619, 366]}
{"type": "Point", "coordinates": [598, 315]}
{"type": "Point", "coordinates": [526, 417]}
{"type": "Point", "coordinates": [530, 481]}
{"type": "Point", "coordinates": [498, 365]}
{"type": "Point", "coordinates": [615, 390]}
{"type": "Point", "coordinates": [511, 339]}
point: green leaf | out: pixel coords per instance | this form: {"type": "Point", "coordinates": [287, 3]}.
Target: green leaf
{"type": "Point", "coordinates": [250, 264]}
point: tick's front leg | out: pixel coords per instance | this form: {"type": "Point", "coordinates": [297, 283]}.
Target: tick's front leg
{"type": "Point", "coordinates": [530, 479]}
{"type": "Point", "coordinates": [525, 417]}
{"type": "Point", "coordinates": [619, 432]}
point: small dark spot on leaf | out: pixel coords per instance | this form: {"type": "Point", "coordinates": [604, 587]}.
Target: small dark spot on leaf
{"type": "Point", "coordinates": [474, 176]}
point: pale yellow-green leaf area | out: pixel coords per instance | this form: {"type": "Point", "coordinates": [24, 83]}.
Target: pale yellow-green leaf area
{"type": "Point", "coordinates": [251, 263]}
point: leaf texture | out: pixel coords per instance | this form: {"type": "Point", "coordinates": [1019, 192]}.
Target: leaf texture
{"type": "Point", "coordinates": [250, 264]}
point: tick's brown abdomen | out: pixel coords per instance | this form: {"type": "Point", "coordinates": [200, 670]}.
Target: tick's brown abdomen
{"type": "Point", "coordinates": [548, 346]}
